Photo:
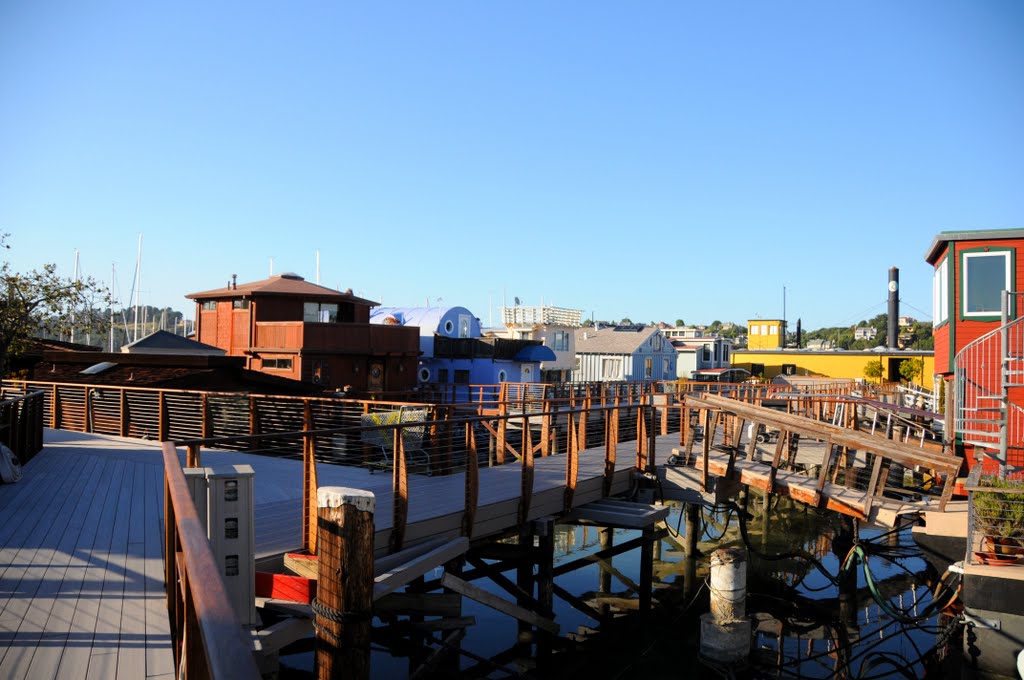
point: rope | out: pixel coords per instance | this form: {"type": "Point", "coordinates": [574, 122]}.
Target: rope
{"type": "Point", "coordinates": [338, 617]}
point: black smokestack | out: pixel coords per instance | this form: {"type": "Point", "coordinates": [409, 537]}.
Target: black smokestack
{"type": "Point", "coordinates": [799, 335]}
{"type": "Point", "coordinates": [894, 308]}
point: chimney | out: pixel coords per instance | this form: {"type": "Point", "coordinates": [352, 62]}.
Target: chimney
{"type": "Point", "coordinates": [894, 308]}
{"type": "Point", "coordinates": [799, 335]}
{"type": "Point", "coordinates": [234, 281]}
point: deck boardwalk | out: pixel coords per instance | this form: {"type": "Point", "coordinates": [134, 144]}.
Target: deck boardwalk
{"type": "Point", "coordinates": [81, 541]}
{"type": "Point", "coordinates": [81, 564]}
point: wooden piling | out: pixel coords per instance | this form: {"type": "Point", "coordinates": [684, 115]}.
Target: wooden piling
{"type": "Point", "coordinates": [344, 602]}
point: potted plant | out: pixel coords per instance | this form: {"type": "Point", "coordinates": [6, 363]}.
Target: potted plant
{"type": "Point", "coordinates": [999, 517]}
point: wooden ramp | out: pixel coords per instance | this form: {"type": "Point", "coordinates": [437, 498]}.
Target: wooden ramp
{"type": "Point", "coordinates": [846, 470]}
{"type": "Point", "coordinates": [81, 564]}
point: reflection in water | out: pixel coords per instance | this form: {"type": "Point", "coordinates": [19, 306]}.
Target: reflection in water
{"type": "Point", "coordinates": [813, 617]}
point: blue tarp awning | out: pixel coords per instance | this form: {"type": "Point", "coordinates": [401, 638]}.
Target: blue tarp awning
{"type": "Point", "coordinates": [535, 353]}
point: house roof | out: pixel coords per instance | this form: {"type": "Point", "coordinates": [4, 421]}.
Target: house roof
{"type": "Point", "coordinates": [938, 243]}
{"type": "Point", "coordinates": [281, 284]}
{"type": "Point", "coordinates": [611, 341]}
{"type": "Point", "coordinates": [162, 342]}
{"type": "Point", "coordinates": [427, 318]}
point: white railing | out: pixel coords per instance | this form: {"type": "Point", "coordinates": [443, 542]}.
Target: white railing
{"type": "Point", "coordinates": [988, 374]}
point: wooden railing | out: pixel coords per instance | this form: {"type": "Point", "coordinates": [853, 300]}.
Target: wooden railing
{"type": "Point", "coordinates": [456, 444]}
{"type": "Point", "coordinates": [21, 424]}
{"type": "Point", "coordinates": [208, 639]}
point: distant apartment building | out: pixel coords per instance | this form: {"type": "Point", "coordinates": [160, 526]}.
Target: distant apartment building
{"type": "Point", "coordinates": [288, 327]}
{"type": "Point", "coordinates": [865, 333]}
{"type": "Point", "coordinates": [543, 315]}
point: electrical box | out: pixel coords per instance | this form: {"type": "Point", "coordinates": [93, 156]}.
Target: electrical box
{"type": "Point", "coordinates": [231, 500]}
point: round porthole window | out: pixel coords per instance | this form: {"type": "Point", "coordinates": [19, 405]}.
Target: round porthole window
{"type": "Point", "coordinates": [424, 374]}
{"type": "Point", "coordinates": [502, 376]}
{"type": "Point", "coordinates": [449, 326]}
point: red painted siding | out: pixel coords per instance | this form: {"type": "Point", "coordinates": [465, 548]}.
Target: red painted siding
{"type": "Point", "coordinates": [968, 331]}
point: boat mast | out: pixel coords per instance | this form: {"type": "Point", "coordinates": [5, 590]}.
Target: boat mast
{"type": "Point", "coordinates": [72, 307]}
{"type": "Point", "coordinates": [138, 287]}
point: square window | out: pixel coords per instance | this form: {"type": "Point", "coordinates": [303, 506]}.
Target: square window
{"type": "Point", "coordinates": [986, 276]}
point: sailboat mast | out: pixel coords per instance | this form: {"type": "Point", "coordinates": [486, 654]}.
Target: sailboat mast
{"type": "Point", "coordinates": [73, 308]}
{"type": "Point", "coordinates": [138, 287]}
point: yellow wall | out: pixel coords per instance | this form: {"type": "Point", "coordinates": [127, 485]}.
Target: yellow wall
{"type": "Point", "coordinates": [766, 338]}
{"type": "Point", "coordinates": [831, 364]}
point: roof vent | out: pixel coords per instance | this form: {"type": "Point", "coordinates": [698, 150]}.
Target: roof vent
{"type": "Point", "coordinates": [292, 275]}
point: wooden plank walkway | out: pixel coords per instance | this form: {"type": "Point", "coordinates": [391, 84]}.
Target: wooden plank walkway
{"type": "Point", "coordinates": [81, 563]}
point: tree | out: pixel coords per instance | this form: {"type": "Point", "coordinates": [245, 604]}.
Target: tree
{"type": "Point", "coordinates": [873, 370]}
{"type": "Point", "coordinates": [626, 321]}
{"type": "Point", "coordinates": [680, 323]}
{"type": "Point", "coordinates": [911, 368]}
{"type": "Point", "coordinates": [41, 303]}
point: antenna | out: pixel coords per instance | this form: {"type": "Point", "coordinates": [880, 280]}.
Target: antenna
{"type": "Point", "coordinates": [318, 267]}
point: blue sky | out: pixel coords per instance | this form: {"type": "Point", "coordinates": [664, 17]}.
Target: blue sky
{"type": "Point", "coordinates": [656, 160]}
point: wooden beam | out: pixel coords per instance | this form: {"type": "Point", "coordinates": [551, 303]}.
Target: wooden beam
{"type": "Point", "coordinates": [499, 604]}
{"type": "Point", "coordinates": [399, 575]}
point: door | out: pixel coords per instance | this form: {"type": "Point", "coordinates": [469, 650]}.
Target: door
{"type": "Point", "coordinates": [375, 379]}
{"type": "Point", "coordinates": [526, 373]}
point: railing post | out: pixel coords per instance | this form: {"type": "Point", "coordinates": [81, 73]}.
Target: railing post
{"type": "Point", "coordinates": [125, 414]}
{"type": "Point", "coordinates": [400, 493]}
{"type": "Point", "coordinates": [161, 417]}
{"type": "Point", "coordinates": [87, 408]}
{"type": "Point", "coordinates": [571, 464]}
{"type": "Point", "coordinates": [344, 599]}
{"type": "Point", "coordinates": [472, 483]}
{"type": "Point", "coordinates": [502, 428]}
{"type": "Point", "coordinates": [611, 440]}
{"type": "Point", "coordinates": [526, 480]}
{"type": "Point", "coordinates": [309, 481]}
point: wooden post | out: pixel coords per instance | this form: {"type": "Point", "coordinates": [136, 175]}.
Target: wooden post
{"type": "Point", "coordinates": [125, 415]}
{"type": "Point", "coordinates": [472, 483]}
{"type": "Point", "coordinates": [646, 571]}
{"type": "Point", "coordinates": [611, 440]}
{"type": "Point", "coordinates": [571, 465]}
{"type": "Point", "coordinates": [544, 529]}
{"type": "Point", "coordinates": [642, 441]}
{"type": "Point", "coordinates": [309, 481]}
{"type": "Point", "coordinates": [502, 428]}
{"type": "Point", "coordinates": [705, 448]}
{"type": "Point", "coordinates": [87, 402]}
{"type": "Point", "coordinates": [400, 493]}
{"type": "Point", "coordinates": [162, 428]}
{"type": "Point", "coordinates": [344, 598]}
{"type": "Point", "coordinates": [192, 459]}
{"type": "Point", "coordinates": [526, 480]}
{"type": "Point", "coordinates": [204, 406]}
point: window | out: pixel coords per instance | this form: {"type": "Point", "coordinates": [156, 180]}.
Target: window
{"type": "Point", "coordinates": [449, 326]}
{"type": "Point", "coordinates": [940, 293]}
{"type": "Point", "coordinates": [705, 354]}
{"type": "Point", "coordinates": [648, 368]}
{"type": "Point", "coordinates": [773, 330]}
{"type": "Point", "coordinates": [666, 367]}
{"type": "Point", "coordinates": [461, 377]}
{"type": "Point", "coordinates": [319, 312]}
{"type": "Point", "coordinates": [756, 369]}
{"type": "Point", "coordinates": [442, 376]}
{"type": "Point", "coordinates": [986, 276]}
{"type": "Point", "coordinates": [579, 363]}
{"type": "Point", "coordinates": [755, 329]}
{"type": "Point", "coordinates": [788, 369]}
{"type": "Point", "coordinates": [464, 326]}
{"type": "Point", "coordinates": [424, 374]}
{"type": "Point", "coordinates": [502, 376]}
{"type": "Point", "coordinates": [560, 341]}
{"type": "Point", "coordinates": [725, 353]}
{"type": "Point", "coordinates": [209, 306]}
{"type": "Point", "coordinates": [240, 303]}
{"type": "Point", "coordinates": [278, 364]}
{"type": "Point", "coordinates": [611, 369]}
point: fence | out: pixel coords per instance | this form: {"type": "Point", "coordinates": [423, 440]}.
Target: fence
{"type": "Point", "coordinates": [21, 424]}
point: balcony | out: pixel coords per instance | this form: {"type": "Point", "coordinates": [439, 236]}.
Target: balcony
{"type": "Point", "coordinates": [479, 348]}
{"type": "Point", "coordinates": [335, 338]}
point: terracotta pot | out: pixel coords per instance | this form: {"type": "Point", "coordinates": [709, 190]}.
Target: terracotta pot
{"type": "Point", "coordinates": [1003, 545]}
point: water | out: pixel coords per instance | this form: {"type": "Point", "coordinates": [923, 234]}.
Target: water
{"type": "Point", "coordinates": [828, 631]}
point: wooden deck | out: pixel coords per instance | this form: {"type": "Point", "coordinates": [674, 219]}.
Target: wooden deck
{"type": "Point", "coordinates": [81, 564]}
